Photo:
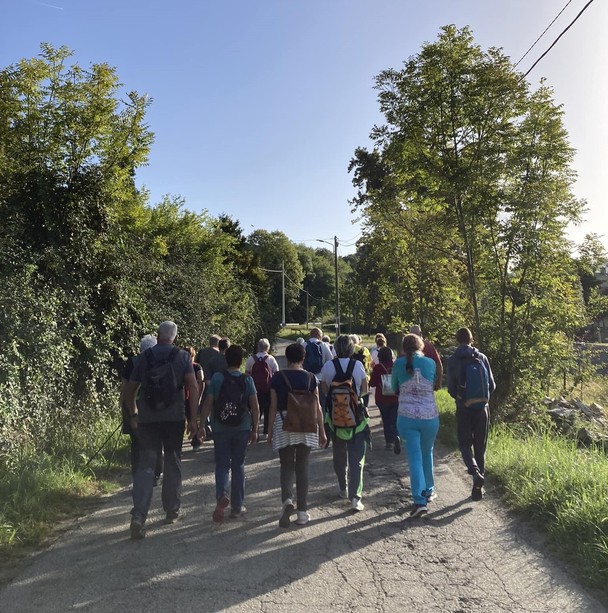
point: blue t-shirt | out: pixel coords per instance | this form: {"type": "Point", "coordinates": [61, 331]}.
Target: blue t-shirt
{"type": "Point", "coordinates": [214, 390]}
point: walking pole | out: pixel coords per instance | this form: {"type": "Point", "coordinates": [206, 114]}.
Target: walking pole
{"type": "Point", "coordinates": [103, 445]}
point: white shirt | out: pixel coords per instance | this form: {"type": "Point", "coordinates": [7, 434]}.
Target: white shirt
{"type": "Point", "coordinates": [328, 372]}
{"type": "Point", "coordinates": [272, 363]}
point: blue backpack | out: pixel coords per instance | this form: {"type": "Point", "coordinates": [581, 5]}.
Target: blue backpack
{"type": "Point", "coordinates": [473, 384]}
{"type": "Point", "coordinates": [313, 361]}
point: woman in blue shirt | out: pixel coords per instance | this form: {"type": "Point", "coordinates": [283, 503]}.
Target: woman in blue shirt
{"type": "Point", "coordinates": [413, 378]}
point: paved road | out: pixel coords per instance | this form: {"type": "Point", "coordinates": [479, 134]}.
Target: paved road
{"type": "Point", "coordinates": [462, 557]}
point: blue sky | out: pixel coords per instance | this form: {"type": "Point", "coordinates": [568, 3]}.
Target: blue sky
{"type": "Point", "coordinates": [258, 105]}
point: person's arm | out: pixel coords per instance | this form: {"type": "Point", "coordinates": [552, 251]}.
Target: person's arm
{"type": "Point", "coordinates": [272, 414]}
{"type": "Point", "coordinates": [320, 422]}
{"type": "Point", "coordinates": [394, 380]}
{"type": "Point", "coordinates": [254, 407]}
{"type": "Point", "coordinates": [249, 365]}
{"type": "Point", "coordinates": [193, 400]}
{"type": "Point", "coordinates": [452, 378]}
{"type": "Point", "coordinates": [438, 373]}
{"type": "Point", "coordinates": [130, 392]}
{"type": "Point", "coordinates": [200, 382]}
{"type": "Point", "coordinates": [491, 382]}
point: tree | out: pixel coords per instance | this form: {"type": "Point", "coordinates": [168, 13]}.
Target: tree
{"type": "Point", "coordinates": [473, 171]}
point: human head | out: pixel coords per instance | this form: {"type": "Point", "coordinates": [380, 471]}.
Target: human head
{"type": "Point", "coordinates": [411, 344]}
{"type": "Point", "coordinates": [385, 354]}
{"type": "Point", "coordinates": [464, 336]}
{"type": "Point", "coordinates": [147, 342]}
{"type": "Point", "coordinates": [167, 331]}
{"type": "Point", "coordinates": [344, 346]}
{"type": "Point", "coordinates": [380, 340]}
{"type": "Point", "coordinates": [223, 344]}
{"type": "Point", "coordinates": [300, 341]}
{"type": "Point", "coordinates": [234, 356]}
{"type": "Point", "coordinates": [295, 353]}
{"type": "Point", "coordinates": [326, 339]}
{"type": "Point", "coordinates": [415, 329]}
{"type": "Point", "coordinates": [316, 333]}
{"type": "Point", "coordinates": [190, 350]}
{"type": "Point", "coordinates": [263, 345]}
{"type": "Point", "coordinates": [214, 339]}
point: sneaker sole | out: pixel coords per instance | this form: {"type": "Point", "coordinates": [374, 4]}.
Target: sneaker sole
{"type": "Point", "coordinates": [419, 513]}
{"type": "Point", "coordinates": [285, 520]}
{"type": "Point", "coordinates": [218, 514]}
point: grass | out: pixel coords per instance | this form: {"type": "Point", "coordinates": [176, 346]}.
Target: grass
{"type": "Point", "coordinates": [43, 490]}
{"type": "Point", "coordinates": [546, 478]}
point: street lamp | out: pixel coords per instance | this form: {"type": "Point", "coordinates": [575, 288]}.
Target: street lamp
{"type": "Point", "coordinates": [335, 246]}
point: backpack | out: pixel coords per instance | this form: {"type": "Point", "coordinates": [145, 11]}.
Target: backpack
{"type": "Point", "coordinates": [473, 383]}
{"type": "Point", "coordinates": [313, 360]}
{"type": "Point", "coordinates": [301, 408]}
{"type": "Point", "coordinates": [343, 405]}
{"type": "Point", "coordinates": [261, 374]}
{"type": "Point", "coordinates": [232, 402]}
{"type": "Point", "coordinates": [160, 384]}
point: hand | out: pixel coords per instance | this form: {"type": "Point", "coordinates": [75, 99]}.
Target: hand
{"type": "Point", "coordinates": [192, 427]}
{"type": "Point", "coordinates": [269, 440]}
{"type": "Point", "coordinates": [133, 421]}
{"type": "Point", "coordinates": [253, 436]}
{"type": "Point", "coordinates": [201, 433]}
{"type": "Point", "coordinates": [322, 439]}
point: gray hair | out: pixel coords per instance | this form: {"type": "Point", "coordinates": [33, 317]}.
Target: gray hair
{"type": "Point", "coordinates": [263, 344]}
{"type": "Point", "coordinates": [147, 342]}
{"type": "Point", "coordinates": [355, 338]}
{"type": "Point", "coordinates": [167, 331]}
{"type": "Point", "coordinates": [344, 346]}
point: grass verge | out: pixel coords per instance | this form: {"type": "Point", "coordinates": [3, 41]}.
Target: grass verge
{"type": "Point", "coordinates": [561, 488]}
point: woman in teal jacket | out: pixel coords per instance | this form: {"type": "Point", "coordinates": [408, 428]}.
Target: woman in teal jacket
{"type": "Point", "coordinates": [413, 378]}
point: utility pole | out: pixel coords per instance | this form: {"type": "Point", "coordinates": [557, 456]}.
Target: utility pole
{"type": "Point", "coordinates": [283, 293]}
{"type": "Point", "coordinates": [337, 287]}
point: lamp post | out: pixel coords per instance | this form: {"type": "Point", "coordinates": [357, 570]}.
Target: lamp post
{"type": "Point", "coordinates": [335, 246]}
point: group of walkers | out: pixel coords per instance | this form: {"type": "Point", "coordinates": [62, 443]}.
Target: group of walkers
{"type": "Point", "coordinates": [318, 400]}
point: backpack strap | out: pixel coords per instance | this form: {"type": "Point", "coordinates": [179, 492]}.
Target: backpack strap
{"type": "Point", "coordinates": [287, 383]}
{"type": "Point", "coordinates": [338, 367]}
{"type": "Point", "coordinates": [350, 368]}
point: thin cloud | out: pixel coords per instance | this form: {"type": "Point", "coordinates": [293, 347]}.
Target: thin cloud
{"type": "Point", "coordinates": [51, 6]}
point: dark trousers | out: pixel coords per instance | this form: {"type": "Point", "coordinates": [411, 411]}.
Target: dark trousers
{"type": "Point", "coordinates": [349, 460]}
{"type": "Point", "coordinates": [169, 436]}
{"type": "Point", "coordinates": [388, 412]}
{"type": "Point", "coordinates": [472, 431]}
{"type": "Point", "coordinates": [294, 465]}
{"type": "Point", "coordinates": [230, 447]}
{"type": "Point", "coordinates": [264, 402]}
{"type": "Point", "coordinates": [135, 451]}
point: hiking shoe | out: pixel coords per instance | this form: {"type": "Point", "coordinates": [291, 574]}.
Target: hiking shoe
{"type": "Point", "coordinates": [288, 511]}
{"type": "Point", "coordinates": [138, 531]}
{"type": "Point", "coordinates": [343, 494]}
{"type": "Point", "coordinates": [477, 491]}
{"type": "Point", "coordinates": [418, 510]}
{"type": "Point", "coordinates": [430, 495]}
{"type": "Point", "coordinates": [302, 518]}
{"type": "Point", "coordinates": [218, 514]}
{"type": "Point", "coordinates": [397, 446]}
{"type": "Point", "coordinates": [235, 513]}
{"type": "Point", "coordinates": [356, 504]}
{"type": "Point", "coordinates": [171, 517]}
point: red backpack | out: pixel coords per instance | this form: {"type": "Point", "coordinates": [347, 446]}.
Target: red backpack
{"type": "Point", "coordinates": [261, 374]}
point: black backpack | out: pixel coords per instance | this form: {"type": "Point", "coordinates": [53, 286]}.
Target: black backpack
{"type": "Point", "coordinates": [160, 385]}
{"type": "Point", "coordinates": [232, 402]}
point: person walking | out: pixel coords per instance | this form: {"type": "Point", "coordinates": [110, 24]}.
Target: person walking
{"type": "Point", "coordinates": [294, 447]}
{"type": "Point", "coordinates": [350, 434]}
{"type": "Point", "coordinates": [232, 406]}
{"type": "Point", "coordinates": [472, 410]}
{"type": "Point", "coordinates": [386, 401]}
{"type": "Point", "coordinates": [162, 372]}
{"type": "Point", "coordinates": [413, 378]}
{"type": "Point", "coordinates": [262, 367]}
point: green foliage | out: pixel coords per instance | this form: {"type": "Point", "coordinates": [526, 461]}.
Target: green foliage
{"type": "Point", "coordinates": [465, 198]}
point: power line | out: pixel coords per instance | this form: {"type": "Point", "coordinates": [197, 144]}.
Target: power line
{"type": "Point", "coordinates": [555, 41]}
{"type": "Point", "coordinates": [544, 32]}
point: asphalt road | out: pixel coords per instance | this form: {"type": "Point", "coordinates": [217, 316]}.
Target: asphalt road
{"type": "Point", "coordinates": [463, 556]}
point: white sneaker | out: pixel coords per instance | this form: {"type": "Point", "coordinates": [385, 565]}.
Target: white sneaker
{"type": "Point", "coordinates": [302, 518]}
{"type": "Point", "coordinates": [357, 505]}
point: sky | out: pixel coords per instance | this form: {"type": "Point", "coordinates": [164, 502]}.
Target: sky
{"type": "Point", "coordinates": [259, 105]}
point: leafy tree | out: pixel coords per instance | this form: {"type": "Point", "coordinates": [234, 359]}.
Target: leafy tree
{"type": "Point", "coordinates": [472, 171]}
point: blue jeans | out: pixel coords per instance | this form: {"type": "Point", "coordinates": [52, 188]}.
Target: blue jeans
{"type": "Point", "coordinates": [153, 437]}
{"type": "Point", "coordinates": [388, 413]}
{"type": "Point", "coordinates": [419, 437]}
{"type": "Point", "coordinates": [230, 447]}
